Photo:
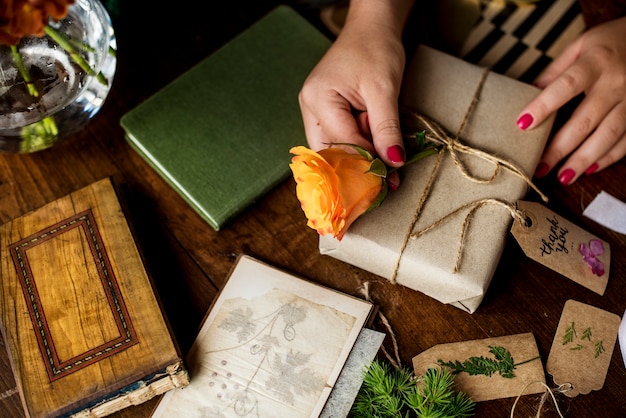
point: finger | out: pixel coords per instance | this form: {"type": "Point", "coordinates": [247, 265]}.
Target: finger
{"type": "Point", "coordinates": [592, 111]}
{"type": "Point", "coordinates": [575, 80]}
{"type": "Point", "coordinates": [313, 130]}
{"type": "Point", "coordinates": [561, 63]}
{"type": "Point", "coordinates": [363, 123]}
{"type": "Point", "coordinates": [601, 143]}
{"type": "Point", "coordinates": [384, 123]}
{"type": "Point", "coordinates": [393, 179]}
{"type": "Point", "coordinates": [331, 123]}
{"type": "Point", "coordinates": [615, 154]}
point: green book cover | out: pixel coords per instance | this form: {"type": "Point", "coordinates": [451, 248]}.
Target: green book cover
{"type": "Point", "coordinates": [220, 133]}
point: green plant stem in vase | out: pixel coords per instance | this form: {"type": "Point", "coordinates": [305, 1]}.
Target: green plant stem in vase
{"type": "Point", "coordinates": [52, 85]}
{"type": "Point", "coordinates": [17, 57]}
{"type": "Point", "coordinates": [75, 53]}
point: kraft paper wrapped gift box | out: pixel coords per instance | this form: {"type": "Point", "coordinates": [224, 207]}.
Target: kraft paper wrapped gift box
{"type": "Point", "coordinates": [442, 87]}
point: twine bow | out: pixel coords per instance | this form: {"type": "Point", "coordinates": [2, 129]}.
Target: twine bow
{"type": "Point", "coordinates": [438, 135]}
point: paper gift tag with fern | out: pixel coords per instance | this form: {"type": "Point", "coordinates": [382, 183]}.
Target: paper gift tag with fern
{"type": "Point", "coordinates": [582, 348]}
{"type": "Point", "coordinates": [490, 368]}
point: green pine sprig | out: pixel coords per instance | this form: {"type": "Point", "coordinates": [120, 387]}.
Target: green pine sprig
{"type": "Point", "coordinates": [391, 393]}
{"type": "Point", "coordinates": [502, 363]}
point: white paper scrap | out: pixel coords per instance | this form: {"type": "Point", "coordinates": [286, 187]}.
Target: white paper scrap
{"type": "Point", "coordinates": [608, 211]}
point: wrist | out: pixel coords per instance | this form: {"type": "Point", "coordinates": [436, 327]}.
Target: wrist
{"type": "Point", "coordinates": [388, 17]}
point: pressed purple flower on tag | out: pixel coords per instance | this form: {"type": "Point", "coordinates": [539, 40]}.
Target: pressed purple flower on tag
{"type": "Point", "coordinates": [590, 252]}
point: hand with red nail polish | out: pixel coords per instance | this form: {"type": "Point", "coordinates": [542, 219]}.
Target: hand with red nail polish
{"type": "Point", "coordinates": [592, 169]}
{"type": "Point", "coordinates": [566, 176]}
{"type": "Point", "coordinates": [395, 154]}
{"type": "Point", "coordinates": [524, 121]}
{"type": "Point", "coordinates": [593, 70]}
{"type": "Point", "coordinates": [351, 96]}
{"type": "Point", "coordinates": [542, 170]}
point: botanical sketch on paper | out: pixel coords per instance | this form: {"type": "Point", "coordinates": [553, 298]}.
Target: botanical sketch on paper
{"type": "Point", "coordinates": [269, 356]}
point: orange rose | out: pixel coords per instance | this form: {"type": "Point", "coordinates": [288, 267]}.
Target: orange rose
{"type": "Point", "coordinates": [335, 187]}
{"type": "Point", "coordinates": [19, 18]}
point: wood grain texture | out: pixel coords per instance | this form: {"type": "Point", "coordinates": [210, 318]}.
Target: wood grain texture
{"type": "Point", "coordinates": [79, 314]}
{"type": "Point", "coordinates": [190, 261]}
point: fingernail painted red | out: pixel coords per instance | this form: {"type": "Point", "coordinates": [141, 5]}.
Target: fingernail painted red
{"type": "Point", "coordinates": [567, 176]}
{"type": "Point", "coordinates": [524, 121]}
{"type": "Point", "coordinates": [392, 186]}
{"type": "Point", "coordinates": [542, 170]}
{"type": "Point", "coordinates": [592, 169]}
{"type": "Point", "coordinates": [395, 154]}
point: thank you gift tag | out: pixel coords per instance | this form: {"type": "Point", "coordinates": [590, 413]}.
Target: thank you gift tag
{"type": "Point", "coordinates": [582, 348]}
{"type": "Point", "coordinates": [490, 368]}
{"type": "Point", "coordinates": [562, 246]}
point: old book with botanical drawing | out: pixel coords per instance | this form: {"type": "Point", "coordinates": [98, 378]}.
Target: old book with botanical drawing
{"type": "Point", "coordinates": [272, 345]}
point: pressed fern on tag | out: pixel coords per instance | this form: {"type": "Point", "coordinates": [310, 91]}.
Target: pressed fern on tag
{"type": "Point", "coordinates": [570, 334]}
{"type": "Point", "coordinates": [599, 349]}
{"type": "Point", "coordinates": [502, 363]}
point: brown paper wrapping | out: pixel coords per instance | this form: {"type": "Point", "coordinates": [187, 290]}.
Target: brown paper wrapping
{"type": "Point", "coordinates": [442, 87]}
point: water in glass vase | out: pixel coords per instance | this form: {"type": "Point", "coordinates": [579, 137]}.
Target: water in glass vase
{"type": "Point", "coordinates": [51, 86]}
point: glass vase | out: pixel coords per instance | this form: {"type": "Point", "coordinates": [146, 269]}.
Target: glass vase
{"type": "Point", "coordinates": [70, 68]}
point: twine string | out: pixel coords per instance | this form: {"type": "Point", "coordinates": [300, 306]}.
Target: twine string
{"type": "Point", "coordinates": [436, 134]}
{"type": "Point", "coordinates": [416, 215]}
{"type": "Point", "coordinates": [395, 362]}
{"type": "Point", "coordinates": [561, 389]}
{"type": "Point", "coordinates": [473, 207]}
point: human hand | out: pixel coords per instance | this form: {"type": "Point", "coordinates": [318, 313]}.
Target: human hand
{"type": "Point", "coordinates": [595, 135]}
{"type": "Point", "coordinates": [351, 96]}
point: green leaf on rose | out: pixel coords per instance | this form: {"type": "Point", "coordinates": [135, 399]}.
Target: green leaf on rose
{"type": "Point", "coordinates": [362, 151]}
{"type": "Point", "coordinates": [381, 196]}
{"type": "Point", "coordinates": [378, 168]}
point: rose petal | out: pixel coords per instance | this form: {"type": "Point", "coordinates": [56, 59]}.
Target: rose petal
{"type": "Point", "coordinates": [584, 250]}
{"type": "Point", "coordinates": [596, 265]}
{"type": "Point", "coordinates": [596, 247]}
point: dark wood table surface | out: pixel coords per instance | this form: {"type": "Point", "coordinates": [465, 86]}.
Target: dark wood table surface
{"type": "Point", "coordinates": [190, 261]}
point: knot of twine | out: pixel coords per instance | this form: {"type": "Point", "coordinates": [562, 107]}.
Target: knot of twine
{"type": "Point", "coordinates": [548, 392]}
{"type": "Point", "coordinates": [435, 133]}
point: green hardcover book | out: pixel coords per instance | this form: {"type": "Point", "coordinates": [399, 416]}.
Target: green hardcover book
{"type": "Point", "coordinates": [220, 133]}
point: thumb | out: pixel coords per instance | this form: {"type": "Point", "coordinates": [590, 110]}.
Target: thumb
{"type": "Point", "coordinates": [386, 134]}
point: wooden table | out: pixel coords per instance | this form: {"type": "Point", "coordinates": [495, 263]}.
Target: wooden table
{"type": "Point", "coordinates": [190, 261]}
